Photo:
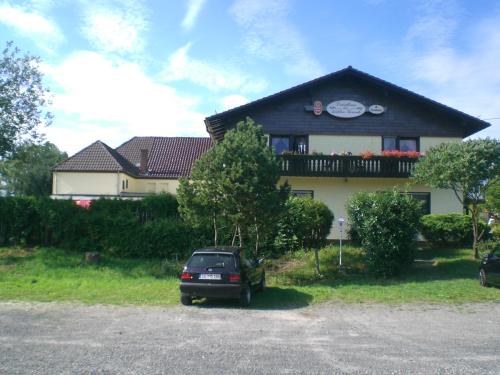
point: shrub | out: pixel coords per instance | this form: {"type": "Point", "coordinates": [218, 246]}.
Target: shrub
{"type": "Point", "coordinates": [125, 228]}
{"type": "Point", "coordinates": [387, 224]}
{"type": "Point", "coordinates": [305, 223]}
{"type": "Point", "coordinates": [452, 229]}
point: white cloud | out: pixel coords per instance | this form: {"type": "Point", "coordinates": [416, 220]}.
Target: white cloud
{"type": "Point", "coordinates": [466, 79]}
{"type": "Point", "coordinates": [194, 8]}
{"type": "Point", "coordinates": [98, 98]}
{"type": "Point", "coordinates": [182, 67]}
{"type": "Point", "coordinates": [269, 35]}
{"type": "Point", "coordinates": [233, 101]}
{"type": "Point", "coordinates": [44, 32]}
{"type": "Point", "coordinates": [115, 27]}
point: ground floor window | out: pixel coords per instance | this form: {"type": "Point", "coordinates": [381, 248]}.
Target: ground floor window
{"type": "Point", "coordinates": [401, 143]}
{"type": "Point", "coordinates": [303, 193]}
{"type": "Point", "coordinates": [285, 143]}
{"type": "Point", "coordinates": [425, 198]}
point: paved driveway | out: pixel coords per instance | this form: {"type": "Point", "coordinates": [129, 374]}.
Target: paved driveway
{"type": "Point", "coordinates": [37, 338]}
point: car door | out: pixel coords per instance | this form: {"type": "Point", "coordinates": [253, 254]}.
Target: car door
{"type": "Point", "coordinates": [494, 267]}
{"type": "Point", "coordinates": [251, 269]}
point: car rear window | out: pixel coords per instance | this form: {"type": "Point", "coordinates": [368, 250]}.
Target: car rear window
{"type": "Point", "coordinates": [212, 260]}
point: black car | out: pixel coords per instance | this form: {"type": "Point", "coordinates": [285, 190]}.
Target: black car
{"type": "Point", "coordinates": [489, 271]}
{"type": "Point", "coordinates": [221, 272]}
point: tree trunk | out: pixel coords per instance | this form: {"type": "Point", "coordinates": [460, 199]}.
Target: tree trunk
{"type": "Point", "coordinates": [215, 232]}
{"type": "Point", "coordinates": [239, 235]}
{"type": "Point", "coordinates": [475, 231]}
{"type": "Point", "coordinates": [234, 236]}
{"type": "Point", "coordinates": [316, 256]}
{"type": "Point", "coordinates": [256, 238]}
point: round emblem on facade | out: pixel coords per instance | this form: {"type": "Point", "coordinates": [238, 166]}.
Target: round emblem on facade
{"type": "Point", "coordinates": [376, 109]}
{"type": "Point", "coordinates": [317, 108]}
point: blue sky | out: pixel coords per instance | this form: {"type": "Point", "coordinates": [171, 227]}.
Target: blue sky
{"type": "Point", "coordinates": [121, 68]}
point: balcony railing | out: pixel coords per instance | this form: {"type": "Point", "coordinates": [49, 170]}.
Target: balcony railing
{"type": "Point", "coordinates": [346, 166]}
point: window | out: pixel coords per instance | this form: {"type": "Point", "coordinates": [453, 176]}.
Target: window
{"type": "Point", "coordinates": [126, 184]}
{"type": "Point", "coordinates": [123, 184]}
{"type": "Point", "coordinates": [295, 143]}
{"type": "Point", "coordinates": [389, 143]}
{"type": "Point", "coordinates": [401, 143]}
{"type": "Point", "coordinates": [280, 144]}
{"type": "Point", "coordinates": [300, 144]}
{"type": "Point", "coordinates": [425, 198]}
{"type": "Point", "coordinates": [303, 193]}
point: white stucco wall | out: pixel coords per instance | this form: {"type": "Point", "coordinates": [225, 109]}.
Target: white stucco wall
{"type": "Point", "coordinates": [356, 144]}
{"type": "Point", "coordinates": [78, 183]}
{"type": "Point", "coordinates": [86, 183]}
{"type": "Point", "coordinates": [335, 192]}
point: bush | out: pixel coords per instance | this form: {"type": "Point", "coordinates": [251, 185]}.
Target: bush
{"type": "Point", "coordinates": [387, 224]}
{"type": "Point", "coordinates": [305, 223]}
{"type": "Point", "coordinates": [449, 229]}
{"type": "Point", "coordinates": [125, 228]}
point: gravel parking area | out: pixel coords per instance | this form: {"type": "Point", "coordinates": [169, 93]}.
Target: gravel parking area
{"type": "Point", "coordinates": [51, 338]}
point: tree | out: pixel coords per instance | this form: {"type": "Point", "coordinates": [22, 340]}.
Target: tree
{"type": "Point", "coordinates": [233, 187]}
{"type": "Point", "coordinates": [28, 170]}
{"type": "Point", "coordinates": [468, 168]}
{"type": "Point", "coordinates": [22, 99]}
{"type": "Point", "coordinates": [493, 196]}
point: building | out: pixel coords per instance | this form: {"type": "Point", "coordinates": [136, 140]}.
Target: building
{"type": "Point", "coordinates": [320, 129]}
{"type": "Point", "coordinates": [140, 166]}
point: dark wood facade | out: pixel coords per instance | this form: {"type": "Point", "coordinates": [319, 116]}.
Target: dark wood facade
{"type": "Point", "coordinates": [407, 114]}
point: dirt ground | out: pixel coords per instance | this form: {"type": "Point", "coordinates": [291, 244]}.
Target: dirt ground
{"type": "Point", "coordinates": [220, 338]}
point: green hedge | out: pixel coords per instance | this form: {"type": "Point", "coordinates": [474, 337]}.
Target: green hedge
{"type": "Point", "coordinates": [386, 223]}
{"type": "Point", "coordinates": [150, 227]}
{"type": "Point", "coordinates": [452, 229]}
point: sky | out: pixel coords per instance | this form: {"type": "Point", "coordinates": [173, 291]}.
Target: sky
{"type": "Point", "coordinates": [123, 68]}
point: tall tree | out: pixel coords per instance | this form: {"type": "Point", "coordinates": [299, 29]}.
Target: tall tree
{"type": "Point", "coordinates": [23, 98]}
{"type": "Point", "coordinates": [493, 196]}
{"type": "Point", "coordinates": [468, 168]}
{"type": "Point", "coordinates": [28, 171]}
{"type": "Point", "coordinates": [234, 185]}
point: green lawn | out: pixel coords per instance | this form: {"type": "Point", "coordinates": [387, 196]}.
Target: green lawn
{"type": "Point", "coordinates": [438, 276]}
{"type": "Point", "coordinates": [55, 275]}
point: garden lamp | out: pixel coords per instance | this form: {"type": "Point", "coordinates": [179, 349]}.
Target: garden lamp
{"type": "Point", "coordinates": [341, 223]}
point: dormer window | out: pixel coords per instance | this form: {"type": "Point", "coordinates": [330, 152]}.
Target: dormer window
{"type": "Point", "coordinates": [401, 143]}
{"type": "Point", "coordinates": [289, 143]}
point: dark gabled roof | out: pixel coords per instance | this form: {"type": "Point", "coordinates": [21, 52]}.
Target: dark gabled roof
{"type": "Point", "coordinates": [168, 157]}
{"type": "Point", "coordinates": [216, 125]}
{"type": "Point", "coordinates": [98, 157]}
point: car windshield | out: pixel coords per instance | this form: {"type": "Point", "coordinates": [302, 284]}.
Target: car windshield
{"type": "Point", "coordinates": [212, 260]}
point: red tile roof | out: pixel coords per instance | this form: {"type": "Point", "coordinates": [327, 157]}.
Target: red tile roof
{"type": "Point", "coordinates": [169, 157]}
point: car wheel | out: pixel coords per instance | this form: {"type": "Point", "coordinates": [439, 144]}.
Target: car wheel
{"type": "Point", "coordinates": [186, 300]}
{"type": "Point", "coordinates": [246, 296]}
{"type": "Point", "coordinates": [262, 284]}
{"type": "Point", "coordinates": [482, 278]}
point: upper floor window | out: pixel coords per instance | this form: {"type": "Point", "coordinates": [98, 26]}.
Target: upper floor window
{"type": "Point", "coordinates": [401, 143]}
{"type": "Point", "coordinates": [284, 143]}
{"type": "Point", "coordinates": [280, 144]}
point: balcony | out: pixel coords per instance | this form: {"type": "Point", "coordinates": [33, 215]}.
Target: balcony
{"type": "Point", "coordinates": [346, 166]}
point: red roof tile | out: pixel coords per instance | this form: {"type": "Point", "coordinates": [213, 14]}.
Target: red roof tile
{"type": "Point", "coordinates": [169, 157]}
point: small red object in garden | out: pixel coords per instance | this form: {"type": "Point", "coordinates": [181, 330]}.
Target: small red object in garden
{"type": "Point", "coordinates": [85, 203]}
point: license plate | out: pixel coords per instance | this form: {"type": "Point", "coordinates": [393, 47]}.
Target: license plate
{"type": "Point", "coordinates": [209, 276]}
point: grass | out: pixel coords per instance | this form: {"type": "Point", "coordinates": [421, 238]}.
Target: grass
{"type": "Point", "coordinates": [55, 275]}
{"type": "Point", "coordinates": [47, 274]}
{"type": "Point", "coordinates": [437, 276]}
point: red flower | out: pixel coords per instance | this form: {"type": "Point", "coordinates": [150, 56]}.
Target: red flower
{"type": "Point", "coordinates": [398, 154]}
